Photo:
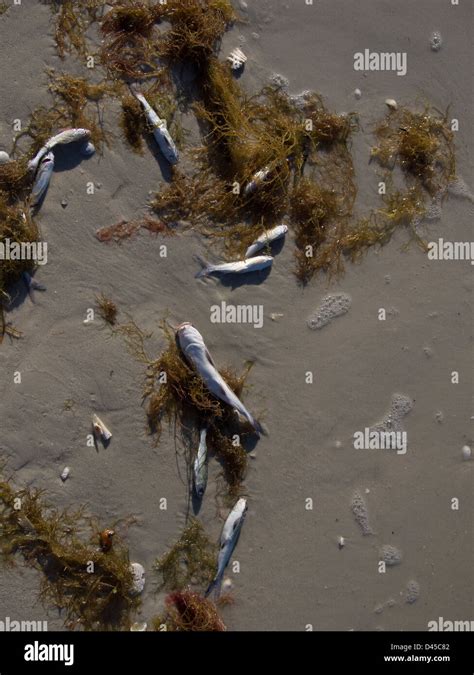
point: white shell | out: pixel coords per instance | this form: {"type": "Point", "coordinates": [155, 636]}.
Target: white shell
{"type": "Point", "coordinates": [227, 584]}
{"type": "Point", "coordinates": [138, 572]}
{"type": "Point", "coordinates": [138, 627]}
{"type": "Point", "coordinates": [4, 157]}
{"type": "Point", "coordinates": [341, 542]}
{"type": "Point", "coordinates": [65, 473]}
{"type": "Point", "coordinates": [466, 452]}
{"type": "Point", "coordinates": [357, 93]}
{"type": "Point", "coordinates": [391, 103]}
{"type": "Point", "coordinates": [100, 428]}
{"type": "Point", "coordinates": [236, 59]}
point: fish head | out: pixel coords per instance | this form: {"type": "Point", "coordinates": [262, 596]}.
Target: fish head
{"type": "Point", "coordinates": [241, 506]}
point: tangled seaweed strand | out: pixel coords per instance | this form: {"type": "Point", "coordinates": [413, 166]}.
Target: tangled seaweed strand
{"type": "Point", "coordinates": [191, 560]}
{"type": "Point", "coordinates": [72, 18]}
{"type": "Point", "coordinates": [49, 540]}
{"type": "Point", "coordinates": [188, 611]}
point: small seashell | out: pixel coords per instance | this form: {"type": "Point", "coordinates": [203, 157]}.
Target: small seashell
{"type": "Point", "coordinates": [436, 41]}
{"type": "Point", "coordinates": [88, 149]}
{"type": "Point", "coordinates": [105, 539]}
{"type": "Point", "coordinates": [100, 429]}
{"type": "Point", "coordinates": [64, 203]}
{"type": "Point", "coordinates": [357, 94]}
{"type": "Point", "coordinates": [138, 572]}
{"type": "Point", "coordinates": [138, 627]}
{"type": "Point", "coordinates": [341, 542]}
{"type": "Point", "coordinates": [391, 103]}
{"type": "Point", "coordinates": [275, 316]}
{"type": "Point", "coordinates": [65, 473]}
{"type": "Point", "coordinates": [236, 59]}
{"type": "Point", "coordinates": [4, 157]}
{"type": "Point", "coordinates": [466, 452]}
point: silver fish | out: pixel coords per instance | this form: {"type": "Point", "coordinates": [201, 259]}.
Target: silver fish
{"type": "Point", "coordinates": [266, 238]}
{"type": "Point", "coordinates": [229, 536]}
{"type": "Point", "coordinates": [160, 131]}
{"type": "Point", "coordinates": [200, 466]}
{"type": "Point", "coordinates": [66, 136]}
{"type": "Point", "coordinates": [255, 264]}
{"type": "Point", "coordinates": [43, 177]}
{"type": "Point", "coordinates": [192, 345]}
{"type": "Point", "coordinates": [257, 179]}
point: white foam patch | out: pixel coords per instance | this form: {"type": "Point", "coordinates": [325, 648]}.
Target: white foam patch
{"type": "Point", "coordinates": [361, 513]}
{"type": "Point", "coordinates": [391, 555]}
{"type": "Point", "coordinates": [331, 307]}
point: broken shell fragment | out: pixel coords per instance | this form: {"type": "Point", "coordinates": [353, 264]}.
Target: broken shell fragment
{"type": "Point", "coordinates": [138, 572]}
{"type": "Point", "coordinates": [65, 473]}
{"type": "Point", "coordinates": [236, 59]}
{"type": "Point", "coordinates": [100, 429]}
{"type": "Point", "coordinates": [138, 627]}
{"type": "Point", "coordinates": [357, 94]}
{"type": "Point", "coordinates": [4, 157]}
{"type": "Point", "coordinates": [341, 542]}
{"type": "Point", "coordinates": [391, 103]}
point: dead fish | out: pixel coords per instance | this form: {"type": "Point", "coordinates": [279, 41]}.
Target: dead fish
{"type": "Point", "coordinates": [228, 541]}
{"type": "Point", "coordinates": [32, 285]}
{"type": "Point", "coordinates": [42, 180]}
{"type": "Point", "coordinates": [160, 131]}
{"type": "Point", "coordinates": [200, 465]}
{"type": "Point", "coordinates": [257, 179]}
{"type": "Point", "coordinates": [266, 238]}
{"type": "Point", "coordinates": [64, 137]}
{"type": "Point", "coordinates": [255, 264]}
{"type": "Point", "coordinates": [192, 345]}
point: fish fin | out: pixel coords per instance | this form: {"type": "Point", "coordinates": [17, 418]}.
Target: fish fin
{"type": "Point", "coordinates": [211, 360]}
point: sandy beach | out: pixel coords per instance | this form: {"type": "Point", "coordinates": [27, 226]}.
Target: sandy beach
{"type": "Point", "coordinates": [293, 573]}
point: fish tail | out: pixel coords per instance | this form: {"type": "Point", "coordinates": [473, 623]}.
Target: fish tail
{"type": "Point", "coordinates": [206, 267]}
{"type": "Point", "coordinates": [214, 586]}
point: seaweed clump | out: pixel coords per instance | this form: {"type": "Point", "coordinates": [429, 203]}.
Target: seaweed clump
{"type": "Point", "coordinates": [191, 560]}
{"type": "Point", "coordinates": [189, 612]}
{"type": "Point", "coordinates": [197, 27]}
{"type": "Point", "coordinates": [95, 589]}
{"type": "Point", "coordinates": [107, 309]}
{"type": "Point", "coordinates": [129, 49]}
{"type": "Point", "coordinates": [422, 145]}
{"type": "Point", "coordinates": [17, 228]}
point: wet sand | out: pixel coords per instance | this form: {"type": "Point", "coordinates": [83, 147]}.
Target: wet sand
{"type": "Point", "coordinates": [292, 572]}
